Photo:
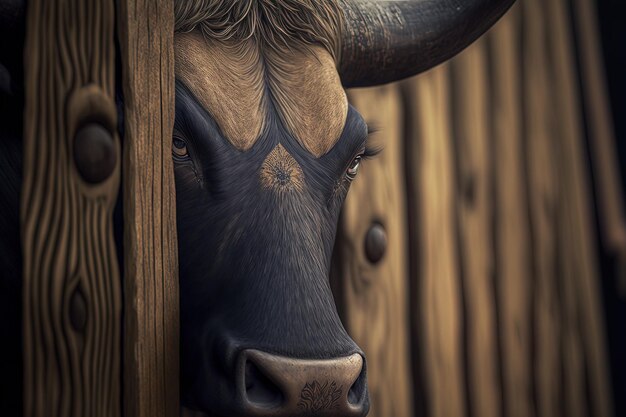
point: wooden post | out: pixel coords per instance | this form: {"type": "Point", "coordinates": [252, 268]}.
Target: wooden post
{"type": "Point", "coordinates": [511, 244]}
{"type": "Point", "coordinates": [587, 384]}
{"type": "Point", "coordinates": [372, 251]}
{"type": "Point", "coordinates": [435, 291]}
{"type": "Point", "coordinates": [146, 33]}
{"type": "Point", "coordinates": [541, 167]}
{"type": "Point", "coordinates": [471, 114]}
{"type": "Point", "coordinates": [72, 289]}
{"type": "Point", "coordinates": [609, 190]}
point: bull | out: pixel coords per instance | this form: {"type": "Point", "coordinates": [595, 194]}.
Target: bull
{"type": "Point", "coordinates": [265, 146]}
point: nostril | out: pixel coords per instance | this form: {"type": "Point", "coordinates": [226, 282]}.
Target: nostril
{"type": "Point", "coordinates": [272, 385]}
{"type": "Point", "coordinates": [260, 390]}
{"type": "Point", "coordinates": [357, 392]}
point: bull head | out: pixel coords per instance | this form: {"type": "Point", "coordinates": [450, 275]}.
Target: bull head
{"type": "Point", "coordinates": [258, 204]}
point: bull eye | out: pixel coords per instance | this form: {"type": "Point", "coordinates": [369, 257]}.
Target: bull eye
{"type": "Point", "coordinates": [353, 169]}
{"type": "Point", "coordinates": [179, 148]}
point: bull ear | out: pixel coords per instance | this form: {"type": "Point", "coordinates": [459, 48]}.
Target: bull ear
{"type": "Point", "coordinates": [12, 24]}
{"type": "Point", "coordinates": [385, 41]}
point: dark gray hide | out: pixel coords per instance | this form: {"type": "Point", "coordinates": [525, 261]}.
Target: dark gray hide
{"type": "Point", "coordinates": [254, 264]}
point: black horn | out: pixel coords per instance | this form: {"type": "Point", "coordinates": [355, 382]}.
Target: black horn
{"type": "Point", "coordinates": [385, 41]}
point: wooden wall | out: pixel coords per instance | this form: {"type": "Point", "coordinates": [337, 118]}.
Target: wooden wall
{"type": "Point", "coordinates": [72, 298]}
{"type": "Point", "coordinates": [151, 314]}
{"type": "Point", "coordinates": [496, 185]}
{"type": "Point", "coordinates": [78, 347]}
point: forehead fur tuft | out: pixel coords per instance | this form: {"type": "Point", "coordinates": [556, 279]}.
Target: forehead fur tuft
{"type": "Point", "coordinates": [276, 24]}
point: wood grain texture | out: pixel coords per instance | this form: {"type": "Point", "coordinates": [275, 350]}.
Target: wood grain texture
{"type": "Point", "coordinates": [151, 270]}
{"type": "Point", "coordinates": [586, 380]}
{"type": "Point", "coordinates": [511, 244]}
{"type": "Point", "coordinates": [541, 166]}
{"type": "Point", "coordinates": [471, 115]}
{"type": "Point", "coordinates": [72, 299]}
{"type": "Point", "coordinates": [376, 295]}
{"type": "Point", "coordinates": [608, 186]}
{"type": "Point", "coordinates": [505, 302]}
{"type": "Point", "coordinates": [435, 298]}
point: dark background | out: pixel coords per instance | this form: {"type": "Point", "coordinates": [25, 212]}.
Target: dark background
{"type": "Point", "coordinates": [612, 25]}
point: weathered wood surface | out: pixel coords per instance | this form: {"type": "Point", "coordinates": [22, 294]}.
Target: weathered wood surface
{"type": "Point", "coordinates": [474, 172]}
{"type": "Point", "coordinates": [511, 246]}
{"type": "Point", "coordinates": [72, 298]}
{"type": "Point", "coordinates": [601, 138]}
{"type": "Point", "coordinates": [436, 303]}
{"type": "Point", "coordinates": [504, 283]}
{"type": "Point", "coordinates": [578, 255]}
{"type": "Point", "coordinates": [150, 248]}
{"type": "Point", "coordinates": [542, 171]}
{"type": "Point", "coordinates": [376, 294]}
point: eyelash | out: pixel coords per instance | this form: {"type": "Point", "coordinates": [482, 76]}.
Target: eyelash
{"type": "Point", "coordinates": [353, 168]}
{"type": "Point", "coordinates": [370, 152]}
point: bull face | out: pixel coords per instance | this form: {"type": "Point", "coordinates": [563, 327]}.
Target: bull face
{"type": "Point", "coordinates": [260, 331]}
{"type": "Point", "coordinates": [257, 208]}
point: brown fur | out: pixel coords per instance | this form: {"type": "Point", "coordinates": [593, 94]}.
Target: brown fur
{"type": "Point", "coordinates": [280, 172]}
{"type": "Point", "coordinates": [226, 81]}
{"type": "Point", "coordinates": [280, 25]}
{"type": "Point", "coordinates": [288, 46]}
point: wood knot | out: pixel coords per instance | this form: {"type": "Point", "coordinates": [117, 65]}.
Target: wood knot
{"type": "Point", "coordinates": [95, 155]}
{"type": "Point", "coordinates": [78, 310]}
{"type": "Point", "coordinates": [469, 190]}
{"type": "Point", "coordinates": [92, 127]}
{"type": "Point", "coordinates": [281, 172]}
{"type": "Point", "coordinates": [375, 243]}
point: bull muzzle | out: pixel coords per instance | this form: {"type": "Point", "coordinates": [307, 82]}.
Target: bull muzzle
{"type": "Point", "coordinates": [277, 386]}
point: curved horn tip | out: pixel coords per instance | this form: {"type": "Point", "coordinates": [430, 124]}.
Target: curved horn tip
{"type": "Point", "coordinates": [385, 41]}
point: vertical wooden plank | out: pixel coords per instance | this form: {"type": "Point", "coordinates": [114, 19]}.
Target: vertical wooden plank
{"type": "Point", "coordinates": [470, 123]}
{"type": "Point", "coordinates": [602, 140]}
{"type": "Point", "coordinates": [435, 300]}
{"type": "Point", "coordinates": [72, 289]}
{"type": "Point", "coordinates": [511, 220]}
{"type": "Point", "coordinates": [375, 294]}
{"type": "Point", "coordinates": [586, 378]}
{"type": "Point", "coordinates": [517, 125]}
{"type": "Point", "coordinates": [146, 31]}
{"type": "Point", "coordinates": [542, 170]}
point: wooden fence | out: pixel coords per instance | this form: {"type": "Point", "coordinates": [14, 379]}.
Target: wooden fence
{"type": "Point", "coordinates": [494, 170]}
{"type": "Point", "coordinates": [78, 347]}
